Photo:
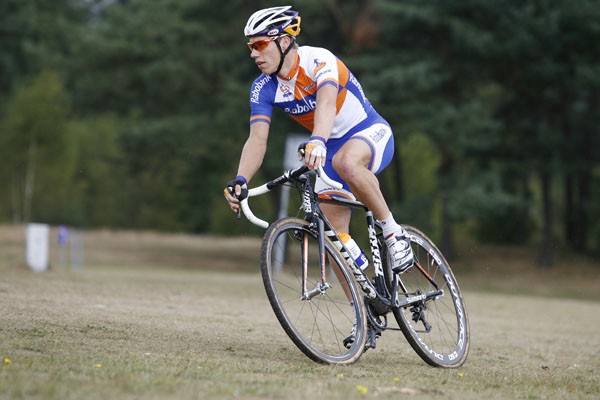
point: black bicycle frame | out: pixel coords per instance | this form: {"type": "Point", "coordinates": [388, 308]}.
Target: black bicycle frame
{"type": "Point", "coordinates": [376, 292]}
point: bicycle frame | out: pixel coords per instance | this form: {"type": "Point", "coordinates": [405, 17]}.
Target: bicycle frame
{"type": "Point", "coordinates": [434, 322]}
{"type": "Point", "coordinates": [377, 292]}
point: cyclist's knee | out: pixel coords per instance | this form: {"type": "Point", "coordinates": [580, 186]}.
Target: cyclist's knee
{"type": "Point", "coordinates": [352, 159]}
{"type": "Point", "coordinates": [347, 166]}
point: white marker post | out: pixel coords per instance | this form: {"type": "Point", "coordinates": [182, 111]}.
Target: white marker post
{"type": "Point", "coordinates": [36, 246]}
{"type": "Point", "coordinates": [290, 161]}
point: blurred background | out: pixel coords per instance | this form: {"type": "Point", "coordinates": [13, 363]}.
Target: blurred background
{"type": "Point", "coordinates": [131, 114]}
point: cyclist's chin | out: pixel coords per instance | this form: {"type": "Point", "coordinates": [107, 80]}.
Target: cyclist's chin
{"type": "Point", "coordinates": [266, 69]}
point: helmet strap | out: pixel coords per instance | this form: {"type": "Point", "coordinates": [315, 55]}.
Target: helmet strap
{"type": "Point", "coordinates": [283, 53]}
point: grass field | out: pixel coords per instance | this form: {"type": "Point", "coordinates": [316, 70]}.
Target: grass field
{"type": "Point", "coordinates": [183, 317]}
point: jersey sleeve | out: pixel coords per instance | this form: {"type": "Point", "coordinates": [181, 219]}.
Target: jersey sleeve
{"type": "Point", "coordinates": [324, 68]}
{"type": "Point", "coordinates": [262, 98]}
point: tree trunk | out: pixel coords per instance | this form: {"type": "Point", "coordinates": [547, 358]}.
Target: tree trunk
{"type": "Point", "coordinates": [29, 180]}
{"type": "Point", "coordinates": [570, 216]}
{"type": "Point", "coordinates": [398, 177]}
{"type": "Point", "coordinates": [522, 235]}
{"type": "Point", "coordinates": [584, 194]}
{"type": "Point", "coordinates": [447, 240]}
{"type": "Point", "coordinates": [546, 256]}
{"type": "Point", "coordinates": [15, 196]}
{"type": "Point", "coordinates": [447, 187]}
{"type": "Point", "coordinates": [582, 212]}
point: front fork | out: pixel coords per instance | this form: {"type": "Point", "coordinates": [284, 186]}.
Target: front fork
{"type": "Point", "coordinates": [322, 285]}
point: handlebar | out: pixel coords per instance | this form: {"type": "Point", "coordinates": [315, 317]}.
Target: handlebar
{"type": "Point", "coordinates": [286, 177]}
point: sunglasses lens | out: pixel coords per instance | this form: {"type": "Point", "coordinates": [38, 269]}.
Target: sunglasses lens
{"type": "Point", "coordinates": [259, 45]}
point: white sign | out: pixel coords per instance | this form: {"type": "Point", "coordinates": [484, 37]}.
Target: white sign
{"type": "Point", "coordinates": [36, 246]}
{"type": "Point", "coordinates": [290, 158]}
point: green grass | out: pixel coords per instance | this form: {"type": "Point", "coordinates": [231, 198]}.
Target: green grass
{"type": "Point", "coordinates": [181, 328]}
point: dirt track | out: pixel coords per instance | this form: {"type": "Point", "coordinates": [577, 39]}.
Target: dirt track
{"type": "Point", "coordinates": [109, 332]}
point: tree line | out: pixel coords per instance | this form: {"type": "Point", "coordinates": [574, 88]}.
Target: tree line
{"type": "Point", "coordinates": [132, 114]}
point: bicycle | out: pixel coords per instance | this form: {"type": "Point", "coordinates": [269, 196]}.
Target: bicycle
{"type": "Point", "coordinates": [320, 295]}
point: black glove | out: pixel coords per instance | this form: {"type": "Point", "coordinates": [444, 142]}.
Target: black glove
{"type": "Point", "coordinates": [239, 180]}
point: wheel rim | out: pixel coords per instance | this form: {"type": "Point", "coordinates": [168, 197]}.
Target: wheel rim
{"type": "Point", "coordinates": [320, 324]}
{"type": "Point", "coordinates": [437, 329]}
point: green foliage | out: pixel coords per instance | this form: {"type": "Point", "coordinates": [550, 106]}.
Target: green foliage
{"type": "Point", "coordinates": [37, 149]}
{"type": "Point", "coordinates": [489, 82]}
{"type": "Point", "coordinates": [499, 216]}
{"type": "Point", "coordinates": [143, 118]}
{"type": "Point", "coordinates": [98, 186]}
{"type": "Point", "coordinates": [421, 163]}
{"type": "Point", "coordinates": [34, 34]}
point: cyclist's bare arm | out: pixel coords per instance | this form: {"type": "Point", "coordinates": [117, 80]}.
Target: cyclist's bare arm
{"type": "Point", "coordinates": [325, 111]}
{"type": "Point", "coordinates": [254, 150]}
{"type": "Point", "coordinates": [324, 118]}
{"type": "Point", "coordinates": [251, 159]}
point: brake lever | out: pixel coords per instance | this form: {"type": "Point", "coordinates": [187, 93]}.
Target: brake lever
{"type": "Point", "coordinates": [238, 215]}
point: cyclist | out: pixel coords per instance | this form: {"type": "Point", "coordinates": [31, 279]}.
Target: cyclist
{"type": "Point", "coordinates": [349, 138]}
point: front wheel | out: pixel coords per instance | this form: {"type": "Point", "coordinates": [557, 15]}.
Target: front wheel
{"type": "Point", "coordinates": [321, 313]}
{"type": "Point", "coordinates": [437, 328]}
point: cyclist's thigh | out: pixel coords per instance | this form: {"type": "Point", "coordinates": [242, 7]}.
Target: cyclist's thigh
{"type": "Point", "coordinates": [380, 140]}
{"type": "Point", "coordinates": [333, 146]}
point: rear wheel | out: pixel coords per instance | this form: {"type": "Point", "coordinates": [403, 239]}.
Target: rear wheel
{"type": "Point", "coordinates": [438, 328]}
{"type": "Point", "coordinates": [317, 323]}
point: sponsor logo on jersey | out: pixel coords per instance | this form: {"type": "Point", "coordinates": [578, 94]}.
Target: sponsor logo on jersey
{"type": "Point", "coordinates": [318, 65]}
{"type": "Point", "coordinates": [357, 84]}
{"type": "Point", "coordinates": [285, 90]}
{"type": "Point", "coordinates": [308, 106]}
{"type": "Point", "coordinates": [257, 88]}
{"type": "Point", "coordinates": [323, 72]}
{"type": "Point", "coordinates": [378, 135]}
{"type": "Point", "coordinates": [307, 88]}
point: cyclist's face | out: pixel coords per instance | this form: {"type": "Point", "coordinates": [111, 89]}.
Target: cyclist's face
{"type": "Point", "coordinates": [265, 53]}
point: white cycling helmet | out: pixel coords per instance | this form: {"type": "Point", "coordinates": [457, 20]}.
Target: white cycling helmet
{"type": "Point", "coordinates": [273, 21]}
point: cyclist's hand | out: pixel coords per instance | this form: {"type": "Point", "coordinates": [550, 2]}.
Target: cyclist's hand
{"type": "Point", "coordinates": [236, 190]}
{"type": "Point", "coordinates": [313, 152]}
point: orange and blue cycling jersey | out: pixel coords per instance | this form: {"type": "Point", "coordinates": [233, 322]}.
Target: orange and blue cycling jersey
{"type": "Point", "coordinates": [313, 68]}
{"type": "Point", "coordinates": [355, 116]}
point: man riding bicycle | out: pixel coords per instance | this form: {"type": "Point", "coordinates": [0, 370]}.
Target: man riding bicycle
{"type": "Point", "coordinates": [349, 138]}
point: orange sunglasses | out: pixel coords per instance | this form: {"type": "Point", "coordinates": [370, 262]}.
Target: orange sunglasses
{"type": "Point", "coordinates": [260, 45]}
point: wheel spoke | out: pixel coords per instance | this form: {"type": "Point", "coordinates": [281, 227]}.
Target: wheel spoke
{"type": "Point", "coordinates": [319, 324]}
{"type": "Point", "coordinates": [445, 344]}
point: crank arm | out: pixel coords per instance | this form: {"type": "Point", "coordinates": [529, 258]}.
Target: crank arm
{"type": "Point", "coordinates": [410, 300]}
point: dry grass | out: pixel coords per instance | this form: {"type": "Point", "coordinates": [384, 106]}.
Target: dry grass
{"type": "Point", "coordinates": [507, 270]}
{"type": "Point", "coordinates": [135, 249]}
{"type": "Point", "coordinates": [178, 328]}
{"type": "Point", "coordinates": [514, 270]}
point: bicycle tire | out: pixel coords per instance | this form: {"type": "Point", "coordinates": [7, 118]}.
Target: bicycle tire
{"type": "Point", "coordinates": [317, 326]}
{"type": "Point", "coordinates": [446, 344]}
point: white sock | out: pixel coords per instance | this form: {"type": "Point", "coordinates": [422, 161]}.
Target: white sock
{"type": "Point", "coordinates": [390, 226]}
